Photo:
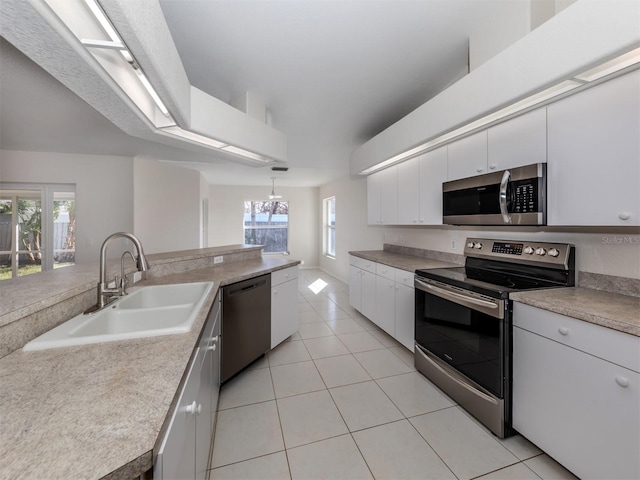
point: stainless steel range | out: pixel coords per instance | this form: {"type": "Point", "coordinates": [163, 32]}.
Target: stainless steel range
{"type": "Point", "coordinates": [463, 320]}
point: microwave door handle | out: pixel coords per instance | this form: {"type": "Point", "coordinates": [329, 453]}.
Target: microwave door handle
{"type": "Point", "coordinates": [502, 196]}
{"type": "Point", "coordinates": [456, 297]}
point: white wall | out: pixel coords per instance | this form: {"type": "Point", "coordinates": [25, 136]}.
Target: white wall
{"type": "Point", "coordinates": [167, 205]}
{"type": "Point", "coordinates": [226, 210]}
{"type": "Point", "coordinates": [515, 20]}
{"type": "Point", "coordinates": [352, 232]}
{"type": "Point", "coordinates": [610, 251]}
{"type": "Point", "coordinates": [104, 191]}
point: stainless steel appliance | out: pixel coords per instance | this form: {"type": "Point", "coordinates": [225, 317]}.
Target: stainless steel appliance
{"type": "Point", "coordinates": [246, 324]}
{"type": "Point", "coordinates": [516, 196]}
{"type": "Point", "coordinates": [463, 320]}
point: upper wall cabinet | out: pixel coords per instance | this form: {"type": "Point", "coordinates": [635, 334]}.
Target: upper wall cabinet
{"type": "Point", "coordinates": [419, 190]}
{"type": "Point", "coordinates": [433, 172]}
{"type": "Point", "coordinates": [382, 197]}
{"type": "Point", "coordinates": [594, 155]}
{"type": "Point", "coordinates": [514, 143]}
{"type": "Point", "coordinates": [468, 156]}
{"type": "Point", "coordinates": [409, 192]}
{"type": "Point", "coordinates": [518, 142]}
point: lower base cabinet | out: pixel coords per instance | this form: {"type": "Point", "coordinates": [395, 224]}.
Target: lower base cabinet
{"type": "Point", "coordinates": [185, 448]}
{"type": "Point", "coordinates": [385, 297]}
{"type": "Point", "coordinates": [284, 304]}
{"type": "Point", "coordinates": [580, 408]}
{"type": "Point", "coordinates": [405, 316]}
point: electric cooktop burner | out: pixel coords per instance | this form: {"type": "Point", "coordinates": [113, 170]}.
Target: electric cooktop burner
{"type": "Point", "coordinates": [496, 268]}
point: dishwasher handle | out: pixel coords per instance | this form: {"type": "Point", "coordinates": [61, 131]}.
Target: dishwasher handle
{"type": "Point", "coordinates": [246, 288]}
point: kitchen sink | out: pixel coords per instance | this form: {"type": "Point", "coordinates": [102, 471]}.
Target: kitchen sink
{"type": "Point", "coordinates": [145, 312]}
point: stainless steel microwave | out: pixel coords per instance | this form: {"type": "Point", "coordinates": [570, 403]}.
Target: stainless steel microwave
{"type": "Point", "coordinates": [517, 196]}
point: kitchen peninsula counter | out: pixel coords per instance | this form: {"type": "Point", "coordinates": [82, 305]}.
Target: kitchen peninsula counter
{"type": "Point", "coordinates": [97, 411]}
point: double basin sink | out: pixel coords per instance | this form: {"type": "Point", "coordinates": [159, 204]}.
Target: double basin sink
{"type": "Point", "coordinates": [145, 312]}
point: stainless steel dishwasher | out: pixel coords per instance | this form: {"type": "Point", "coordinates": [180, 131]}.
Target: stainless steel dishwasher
{"type": "Point", "coordinates": [246, 323]}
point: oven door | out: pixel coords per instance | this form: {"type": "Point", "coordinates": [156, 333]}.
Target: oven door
{"type": "Point", "coordinates": [462, 345]}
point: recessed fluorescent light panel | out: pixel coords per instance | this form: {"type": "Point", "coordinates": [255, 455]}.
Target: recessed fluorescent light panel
{"type": "Point", "coordinates": [91, 26]}
{"type": "Point", "coordinates": [628, 60]}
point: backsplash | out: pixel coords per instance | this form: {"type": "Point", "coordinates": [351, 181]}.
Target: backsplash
{"type": "Point", "coordinates": [419, 252]}
{"type": "Point", "coordinates": [610, 283]}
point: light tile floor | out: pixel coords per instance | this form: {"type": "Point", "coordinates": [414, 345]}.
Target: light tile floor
{"type": "Point", "coordinates": [340, 399]}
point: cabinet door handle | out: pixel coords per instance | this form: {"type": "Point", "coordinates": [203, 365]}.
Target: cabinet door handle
{"type": "Point", "coordinates": [275, 292]}
{"type": "Point", "coordinates": [622, 381]}
{"type": "Point", "coordinates": [563, 331]}
{"type": "Point", "coordinates": [194, 408]}
{"type": "Point", "coordinates": [624, 215]}
{"type": "Point", "coordinates": [212, 348]}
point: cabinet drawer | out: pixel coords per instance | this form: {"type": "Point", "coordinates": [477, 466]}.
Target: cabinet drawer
{"type": "Point", "coordinates": [611, 345]}
{"type": "Point", "coordinates": [404, 277]}
{"type": "Point", "coordinates": [363, 263]}
{"type": "Point", "coordinates": [386, 271]}
{"type": "Point", "coordinates": [281, 276]}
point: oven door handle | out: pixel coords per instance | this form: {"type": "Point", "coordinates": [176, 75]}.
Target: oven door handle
{"type": "Point", "coordinates": [457, 297]}
{"type": "Point", "coordinates": [502, 196]}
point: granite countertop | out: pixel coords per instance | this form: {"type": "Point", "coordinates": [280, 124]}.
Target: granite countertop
{"type": "Point", "coordinates": [97, 410]}
{"type": "Point", "coordinates": [612, 310]}
{"type": "Point", "coordinates": [409, 263]}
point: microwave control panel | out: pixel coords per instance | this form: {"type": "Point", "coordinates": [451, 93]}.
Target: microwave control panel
{"type": "Point", "coordinates": [524, 196]}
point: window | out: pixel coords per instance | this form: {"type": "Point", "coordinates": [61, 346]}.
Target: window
{"type": "Point", "coordinates": [330, 227]}
{"type": "Point", "coordinates": [37, 228]}
{"type": "Point", "coordinates": [267, 223]}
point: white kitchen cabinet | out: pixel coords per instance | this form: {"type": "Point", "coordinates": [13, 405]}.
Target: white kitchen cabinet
{"type": "Point", "coordinates": [384, 315]}
{"type": "Point", "coordinates": [467, 157]}
{"type": "Point", "coordinates": [362, 285]}
{"type": "Point", "coordinates": [405, 308]}
{"type": "Point", "coordinates": [207, 398]}
{"type": "Point", "coordinates": [576, 391]}
{"type": "Point", "coordinates": [518, 142]}
{"type": "Point", "coordinates": [409, 192]}
{"type": "Point", "coordinates": [284, 304]}
{"type": "Point", "coordinates": [594, 155]}
{"type": "Point", "coordinates": [184, 451]}
{"type": "Point", "coordinates": [433, 172]}
{"type": "Point", "coordinates": [385, 295]}
{"type": "Point", "coordinates": [369, 301]}
{"type": "Point", "coordinates": [382, 197]}
{"type": "Point", "coordinates": [355, 287]}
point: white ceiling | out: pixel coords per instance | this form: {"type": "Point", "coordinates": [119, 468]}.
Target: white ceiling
{"type": "Point", "coordinates": [332, 74]}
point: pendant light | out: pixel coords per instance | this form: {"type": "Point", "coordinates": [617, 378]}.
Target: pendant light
{"type": "Point", "coordinates": [272, 195]}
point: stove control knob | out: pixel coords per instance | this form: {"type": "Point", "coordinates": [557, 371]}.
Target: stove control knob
{"type": "Point", "coordinates": [477, 246]}
{"type": "Point", "coordinates": [471, 245]}
{"type": "Point", "coordinates": [554, 252]}
{"type": "Point", "coordinates": [529, 250]}
{"type": "Point", "coordinates": [541, 251]}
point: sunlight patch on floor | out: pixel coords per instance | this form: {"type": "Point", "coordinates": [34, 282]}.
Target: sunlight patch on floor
{"type": "Point", "coordinates": [317, 286]}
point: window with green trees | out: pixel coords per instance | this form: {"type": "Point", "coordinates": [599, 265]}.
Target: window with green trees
{"type": "Point", "coordinates": [37, 228]}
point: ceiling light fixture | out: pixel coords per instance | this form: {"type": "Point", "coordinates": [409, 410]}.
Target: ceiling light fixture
{"type": "Point", "coordinates": [626, 61]}
{"type": "Point", "coordinates": [272, 195]}
{"type": "Point", "coordinates": [116, 43]}
{"type": "Point", "coordinates": [112, 54]}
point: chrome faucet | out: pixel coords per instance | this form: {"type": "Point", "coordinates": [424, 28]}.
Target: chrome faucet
{"type": "Point", "coordinates": [104, 292]}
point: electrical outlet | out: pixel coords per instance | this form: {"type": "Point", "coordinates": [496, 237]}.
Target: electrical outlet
{"type": "Point", "coordinates": [137, 276]}
{"type": "Point", "coordinates": [217, 260]}
{"type": "Point", "coordinates": [453, 244]}
{"type": "Point", "coordinates": [301, 262]}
